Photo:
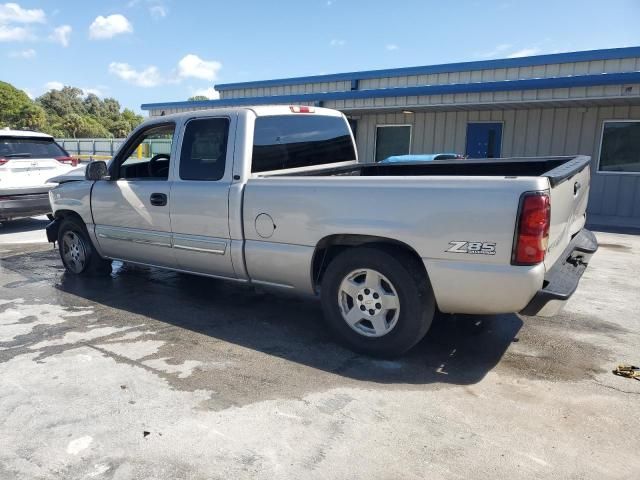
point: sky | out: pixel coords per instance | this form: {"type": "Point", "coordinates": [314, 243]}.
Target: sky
{"type": "Point", "coordinates": [146, 51]}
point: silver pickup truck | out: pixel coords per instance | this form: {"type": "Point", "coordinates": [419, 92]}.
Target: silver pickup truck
{"type": "Point", "coordinates": [274, 195]}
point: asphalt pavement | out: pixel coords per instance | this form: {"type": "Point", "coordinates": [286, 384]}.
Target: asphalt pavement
{"type": "Point", "coordinates": [157, 375]}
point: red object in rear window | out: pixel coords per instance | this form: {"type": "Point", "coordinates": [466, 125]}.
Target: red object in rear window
{"type": "Point", "coordinates": [532, 235]}
{"type": "Point", "coordinates": [68, 160]}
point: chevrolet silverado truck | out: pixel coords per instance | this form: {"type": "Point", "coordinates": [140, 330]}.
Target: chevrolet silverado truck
{"type": "Point", "coordinates": [275, 195]}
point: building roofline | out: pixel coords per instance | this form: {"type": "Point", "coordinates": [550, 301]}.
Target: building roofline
{"type": "Point", "coordinates": [582, 56]}
{"type": "Point", "coordinates": [494, 86]}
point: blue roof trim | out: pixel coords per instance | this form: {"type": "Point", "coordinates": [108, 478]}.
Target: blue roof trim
{"type": "Point", "coordinates": [583, 56]}
{"type": "Point", "coordinates": [499, 86]}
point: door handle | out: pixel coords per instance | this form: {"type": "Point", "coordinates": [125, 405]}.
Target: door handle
{"type": "Point", "coordinates": [158, 199]}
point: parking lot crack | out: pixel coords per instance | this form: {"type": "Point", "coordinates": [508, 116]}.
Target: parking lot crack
{"type": "Point", "coordinates": [615, 388]}
{"type": "Point", "coordinates": [120, 358]}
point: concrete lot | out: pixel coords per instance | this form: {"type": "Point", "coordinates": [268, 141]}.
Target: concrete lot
{"type": "Point", "coordinates": [149, 374]}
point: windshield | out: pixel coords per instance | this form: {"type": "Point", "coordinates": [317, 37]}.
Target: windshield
{"type": "Point", "coordinates": [30, 148]}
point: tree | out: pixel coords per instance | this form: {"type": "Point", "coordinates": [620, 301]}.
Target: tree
{"type": "Point", "coordinates": [93, 105]}
{"type": "Point", "coordinates": [32, 117]}
{"type": "Point", "coordinates": [63, 102]}
{"type": "Point", "coordinates": [198, 98]}
{"type": "Point", "coordinates": [120, 128]}
{"type": "Point", "coordinates": [110, 108]}
{"type": "Point", "coordinates": [91, 127]}
{"type": "Point", "coordinates": [72, 123]}
{"type": "Point", "coordinates": [65, 113]}
{"type": "Point", "coordinates": [132, 119]}
{"type": "Point", "coordinates": [12, 103]}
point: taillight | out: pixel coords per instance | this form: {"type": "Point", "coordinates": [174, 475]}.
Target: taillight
{"type": "Point", "coordinates": [532, 235]}
{"type": "Point", "coordinates": [3, 161]}
{"type": "Point", "coordinates": [301, 109]}
{"type": "Point", "coordinates": [68, 160]}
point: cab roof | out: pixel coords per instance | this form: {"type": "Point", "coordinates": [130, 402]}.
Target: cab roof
{"type": "Point", "coordinates": [258, 110]}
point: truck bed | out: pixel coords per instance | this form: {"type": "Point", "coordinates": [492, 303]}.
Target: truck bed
{"type": "Point", "coordinates": [556, 169]}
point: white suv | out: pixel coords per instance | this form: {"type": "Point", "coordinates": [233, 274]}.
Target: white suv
{"type": "Point", "coordinates": [27, 161]}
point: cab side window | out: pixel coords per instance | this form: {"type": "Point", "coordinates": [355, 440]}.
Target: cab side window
{"type": "Point", "coordinates": [204, 149]}
{"type": "Point", "coordinates": [149, 157]}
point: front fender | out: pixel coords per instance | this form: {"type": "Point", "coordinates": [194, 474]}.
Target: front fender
{"type": "Point", "coordinates": [73, 197]}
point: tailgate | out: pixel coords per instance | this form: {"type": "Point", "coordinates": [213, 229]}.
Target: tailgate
{"type": "Point", "coordinates": [569, 191]}
{"type": "Point", "coordinates": [30, 172]}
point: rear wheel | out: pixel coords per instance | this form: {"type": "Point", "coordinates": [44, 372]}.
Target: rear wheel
{"type": "Point", "coordinates": [378, 302]}
{"type": "Point", "coordinates": [76, 251]}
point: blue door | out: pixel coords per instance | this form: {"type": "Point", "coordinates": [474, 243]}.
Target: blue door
{"type": "Point", "coordinates": [484, 140]}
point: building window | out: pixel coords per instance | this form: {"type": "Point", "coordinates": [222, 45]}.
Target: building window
{"type": "Point", "coordinates": [392, 140]}
{"type": "Point", "coordinates": [620, 146]}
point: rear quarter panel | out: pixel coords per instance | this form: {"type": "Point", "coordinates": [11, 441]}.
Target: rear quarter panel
{"type": "Point", "coordinates": [425, 213]}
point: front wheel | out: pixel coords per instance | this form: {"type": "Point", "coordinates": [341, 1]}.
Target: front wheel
{"type": "Point", "coordinates": [76, 251]}
{"type": "Point", "coordinates": [379, 302]}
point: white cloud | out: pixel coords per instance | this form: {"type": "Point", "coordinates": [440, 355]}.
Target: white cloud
{"type": "Point", "coordinates": [29, 53]}
{"type": "Point", "coordinates": [336, 42]}
{"type": "Point", "coordinates": [14, 13]}
{"type": "Point", "coordinates": [525, 52]}
{"type": "Point", "coordinates": [95, 91]}
{"type": "Point", "coordinates": [391, 47]}
{"type": "Point", "coordinates": [496, 52]}
{"type": "Point", "coordinates": [190, 66]}
{"type": "Point", "coordinates": [14, 34]}
{"type": "Point", "coordinates": [505, 50]}
{"type": "Point", "coordinates": [109, 27]}
{"type": "Point", "coordinates": [158, 11]}
{"type": "Point", "coordinates": [61, 35]}
{"type": "Point", "coordinates": [211, 93]}
{"type": "Point", "coordinates": [149, 77]}
{"type": "Point", "coordinates": [53, 86]}
{"type": "Point", "coordinates": [28, 92]}
{"type": "Point", "coordinates": [193, 66]}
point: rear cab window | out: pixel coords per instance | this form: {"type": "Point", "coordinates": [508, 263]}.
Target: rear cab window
{"type": "Point", "coordinates": [28, 147]}
{"type": "Point", "coordinates": [204, 149]}
{"type": "Point", "coordinates": [300, 140]}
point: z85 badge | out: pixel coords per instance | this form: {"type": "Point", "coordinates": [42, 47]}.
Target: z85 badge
{"type": "Point", "coordinates": [473, 248]}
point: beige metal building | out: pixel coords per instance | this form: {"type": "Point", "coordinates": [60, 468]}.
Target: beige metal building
{"type": "Point", "coordinates": [560, 104]}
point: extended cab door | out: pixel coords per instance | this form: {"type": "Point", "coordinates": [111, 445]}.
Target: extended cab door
{"type": "Point", "coordinates": [200, 197]}
{"type": "Point", "coordinates": [131, 211]}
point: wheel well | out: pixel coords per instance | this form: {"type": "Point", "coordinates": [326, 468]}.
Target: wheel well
{"type": "Point", "coordinates": [61, 214]}
{"type": "Point", "coordinates": [54, 227]}
{"type": "Point", "coordinates": [329, 247]}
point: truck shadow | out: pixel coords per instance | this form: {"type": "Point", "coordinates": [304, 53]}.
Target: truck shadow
{"type": "Point", "coordinates": [23, 225]}
{"type": "Point", "coordinates": [457, 350]}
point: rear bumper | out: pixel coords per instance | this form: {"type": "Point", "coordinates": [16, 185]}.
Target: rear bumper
{"type": "Point", "coordinates": [25, 205]}
{"type": "Point", "coordinates": [562, 279]}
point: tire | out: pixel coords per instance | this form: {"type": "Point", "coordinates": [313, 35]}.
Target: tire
{"type": "Point", "coordinates": [77, 253]}
{"type": "Point", "coordinates": [51, 217]}
{"type": "Point", "coordinates": [385, 328]}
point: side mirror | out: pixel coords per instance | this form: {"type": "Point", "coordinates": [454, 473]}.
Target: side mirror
{"type": "Point", "coordinates": [96, 170]}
